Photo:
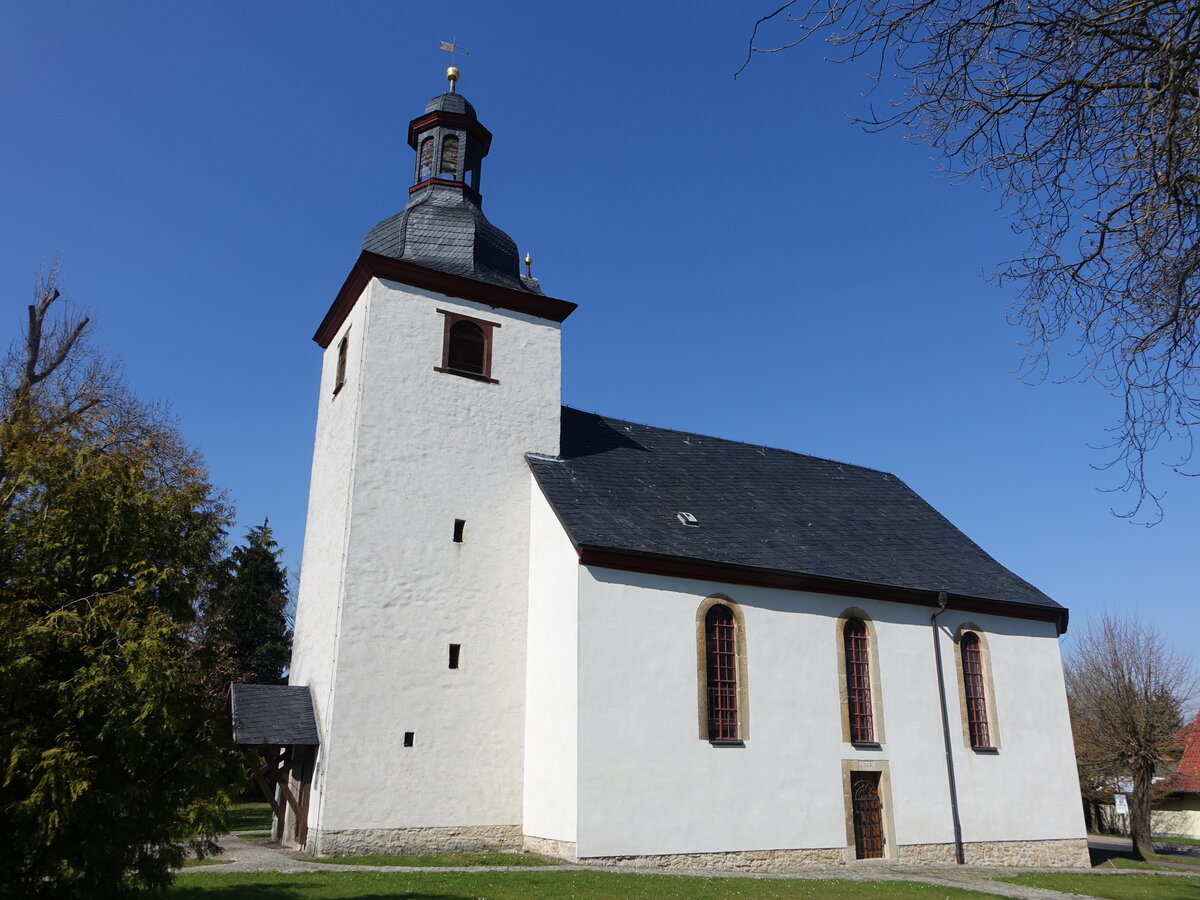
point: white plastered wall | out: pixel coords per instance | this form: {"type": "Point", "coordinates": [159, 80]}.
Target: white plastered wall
{"type": "Point", "coordinates": [551, 694]}
{"type": "Point", "coordinates": [649, 785]}
{"type": "Point", "coordinates": [429, 448]}
{"type": "Point", "coordinates": [319, 599]}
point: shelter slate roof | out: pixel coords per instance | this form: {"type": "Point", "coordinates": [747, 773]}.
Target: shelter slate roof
{"type": "Point", "coordinates": [619, 486]}
{"type": "Point", "coordinates": [273, 714]}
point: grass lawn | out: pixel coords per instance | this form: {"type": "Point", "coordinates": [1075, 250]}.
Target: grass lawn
{"type": "Point", "coordinates": [1186, 842]}
{"type": "Point", "coordinates": [247, 816]}
{"type": "Point", "coordinates": [446, 859]}
{"type": "Point", "coordinates": [198, 885]}
{"type": "Point", "coordinates": [1125, 887]}
{"type": "Point", "coordinates": [1127, 859]}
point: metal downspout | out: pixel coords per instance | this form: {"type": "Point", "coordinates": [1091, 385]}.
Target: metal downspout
{"type": "Point", "coordinates": [941, 681]}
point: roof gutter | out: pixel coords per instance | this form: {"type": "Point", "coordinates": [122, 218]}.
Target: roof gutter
{"type": "Point", "coordinates": [943, 598]}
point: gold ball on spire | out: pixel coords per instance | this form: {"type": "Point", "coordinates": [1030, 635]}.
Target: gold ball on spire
{"type": "Point", "coordinates": [452, 74]}
{"type": "Point", "coordinates": [528, 260]}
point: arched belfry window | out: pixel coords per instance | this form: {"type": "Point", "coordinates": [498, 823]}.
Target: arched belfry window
{"type": "Point", "coordinates": [449, 156]}
{"type": "Point", "coordinates": [467, 346]}
{"type": "Point", "coordinates": [721, 671]}
{"type": "Point", "coordinates": [974, 691]}
{"type": "Point", "coordinates": [425, 164]}
{"type": "Point", "coordinates": [858, 682]}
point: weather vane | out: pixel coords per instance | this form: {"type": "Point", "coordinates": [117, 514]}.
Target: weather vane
{"type": "Point", "coordinates": [452, 48]}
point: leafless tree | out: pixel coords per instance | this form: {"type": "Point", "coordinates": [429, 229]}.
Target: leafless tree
{"type": "Point", "coordinates": [1127, 688]}
{"type": "Point", "coordinates": [1083, 114]}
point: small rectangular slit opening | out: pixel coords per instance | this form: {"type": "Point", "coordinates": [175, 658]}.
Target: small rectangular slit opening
{"type": "Point", "coordinates": [454, 651]}
{"type": "Point", "coordinates": [408, 738]}
{"type": "Point", "coordinates": [459, 525]}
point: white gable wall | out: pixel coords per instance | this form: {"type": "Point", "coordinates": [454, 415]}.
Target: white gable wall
{"type": "Point", "coordinates": [552, 684]}
{"type": "Point", "coordinates": [429, 448]}
{"type": "Point", "coordinates": [649, 785]}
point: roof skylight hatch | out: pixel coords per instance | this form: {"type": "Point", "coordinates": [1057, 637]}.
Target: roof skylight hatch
{"type": "Point", "coordinates": [688, 519]}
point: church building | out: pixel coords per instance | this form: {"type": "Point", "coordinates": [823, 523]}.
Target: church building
{"type": "Point", "coordinates": [526, 626]}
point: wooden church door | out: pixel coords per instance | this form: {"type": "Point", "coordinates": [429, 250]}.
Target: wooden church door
{"type": "Point", "coordinates": [868, 815]}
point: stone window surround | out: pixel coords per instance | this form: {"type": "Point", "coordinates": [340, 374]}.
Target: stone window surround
{"type": "Point", "coordinates": [743, 692]}
{"type": "Point", "coordinates": [989, 688]}
{"type": "Point", "coordinates": [854, 612]}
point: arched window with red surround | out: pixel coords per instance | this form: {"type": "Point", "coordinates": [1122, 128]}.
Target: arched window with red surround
{"type": "Point", "coordinates": [720, 637]}
{"type": "Point", "coordinates": [858, 682]}
{"type": "Point", "coordinates": [974, 690]}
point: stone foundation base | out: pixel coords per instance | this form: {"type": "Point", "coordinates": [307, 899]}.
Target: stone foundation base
{"type": "Point", "coordinates": [564, 850]}
{"type": "Point", "coordinates": [1071, 853]}
{"type": "Point", "coordinates": [399, 841]}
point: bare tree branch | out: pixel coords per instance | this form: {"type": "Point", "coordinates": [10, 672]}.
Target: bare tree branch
{"type": "Point", "coordinates": [1084, 117]}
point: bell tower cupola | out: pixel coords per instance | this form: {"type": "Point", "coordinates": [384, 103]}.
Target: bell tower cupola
{"type": "Point", "coordinates": [443, 226]}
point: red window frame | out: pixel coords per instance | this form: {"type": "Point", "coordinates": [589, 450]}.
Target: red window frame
{"type": "Point", "coordinates": [486, 330]}
{"type": "Point", "coordinates": [976, 695]}
{"type": "Point", "coordinates": [720, 637]}
{"type": "Point", "coordinates": [858, 683]}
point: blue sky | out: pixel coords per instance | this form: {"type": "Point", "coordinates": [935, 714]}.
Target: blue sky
{"type": "Point", "coordinates": [747, 262]}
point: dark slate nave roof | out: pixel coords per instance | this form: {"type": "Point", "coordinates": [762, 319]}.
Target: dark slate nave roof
{"type": "Point", "coordinates": [619, 486]}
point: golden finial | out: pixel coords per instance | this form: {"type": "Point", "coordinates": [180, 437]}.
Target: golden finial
{"type": "Point", "coordinates": [452, 48]}
{"type": "Point", "coordinates": [528, 266]}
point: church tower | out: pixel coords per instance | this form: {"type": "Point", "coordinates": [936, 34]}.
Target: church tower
{"type": "Point", "coordinates": [441, 371]}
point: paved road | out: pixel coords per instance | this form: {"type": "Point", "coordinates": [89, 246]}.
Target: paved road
{"type": "Point", "coordinates": [255, 856]}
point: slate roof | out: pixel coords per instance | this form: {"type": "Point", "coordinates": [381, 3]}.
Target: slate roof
{"type": "Point", "coordinates": [618, 486]}
{"type": "Point", "coordinates": [273, 714]}
{"type": "Point", "coordinates": [441, 229]}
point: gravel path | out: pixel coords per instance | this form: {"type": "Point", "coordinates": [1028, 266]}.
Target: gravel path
{"type": "Point", "coordinates": [255, 856]}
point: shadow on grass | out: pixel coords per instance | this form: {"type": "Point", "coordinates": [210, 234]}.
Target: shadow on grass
{"type": "Point", "coordinates": [288, 890]}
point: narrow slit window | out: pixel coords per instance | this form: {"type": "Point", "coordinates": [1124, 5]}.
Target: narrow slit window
{"type": "Point", "coordinates": [977, 718]}
{"type": "Point", "coordinates": [858, 683]}
{"type": "Point", "coordinates": [455, 649]}
{"type": "Point", "coordinates": [343, 351]}
{"type": "Point", "coordinates": [459, 525]}
{"type": "Point", "coordinates": [408, 738]}
{"type": "Point", "coordinates": [720, 632]}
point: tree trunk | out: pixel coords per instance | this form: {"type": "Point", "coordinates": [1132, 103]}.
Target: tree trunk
{"type": "Point", "coordinates": [1139, 812]}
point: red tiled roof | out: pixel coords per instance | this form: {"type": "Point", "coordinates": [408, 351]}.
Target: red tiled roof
{"type": "Point", "coordinates": [1187, 777]}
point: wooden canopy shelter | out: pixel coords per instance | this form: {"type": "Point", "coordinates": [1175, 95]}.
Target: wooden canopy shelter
{"type": "Point", "coordinates": [277, 720]}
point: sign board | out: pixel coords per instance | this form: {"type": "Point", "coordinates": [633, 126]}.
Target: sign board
{"type": "Point", "coordinates": [1125, 787]}
{"type": "Point", "coordinates": [1121, 804]}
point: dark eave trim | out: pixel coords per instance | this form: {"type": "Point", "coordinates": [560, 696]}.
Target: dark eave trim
{"type": "Point", "coordinates": [703, 570]}
{"type": "Point", "coordinates": [373, 265]}
{"type": "Point", "coordinates": [457, 121]}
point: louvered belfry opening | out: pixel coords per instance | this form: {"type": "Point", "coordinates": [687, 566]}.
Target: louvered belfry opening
{"type": "Point", "coordinates": [858, 683]}
{"type": "Point", "coordinates": [425, 157]}
{"type": "Point", "coordinates": [720, 632]}
{"type": "Point", "coordinates": [466, 352]}
{"type": "Point", "coordinates": [449, 156]}
{"type": "Point", "coordinates": [972, 662]}
{"type": "Point", "coordinates": [868, 815]}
